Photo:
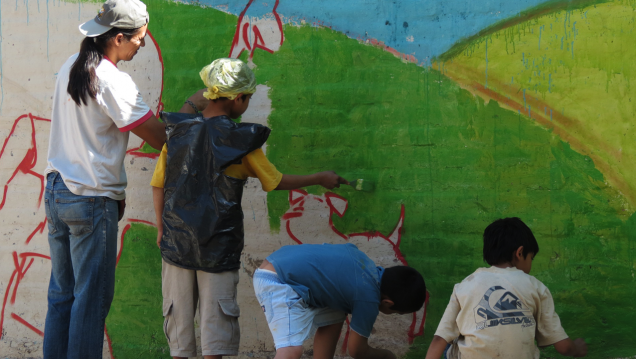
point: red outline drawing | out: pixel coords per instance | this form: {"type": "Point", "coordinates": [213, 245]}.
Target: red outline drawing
{"type": "Point", "coordinates": [21, 268]}
{"type": "Point", "coordinates": [39, 228]}
{"type": "Point", "coordinates": [257, 41]}
{"type": "Point", "coordinates": [18, 274]}
{"type": "Point", "coordinates": [135, 151]}
{"type": "Point", "coordinates": [345, 341]}
{"type": "Point", "coordinates": [25, 323]}
{"type": "Point", "coordinates": [20, 271]}
{"type": "Point", "coordinates": [30, 158]}
{"type": "Point", "coordinates": [338, 205]}
{"type": "Point", "coordinates": [26, 166]}
{"type": "Point", "coordinates": [23, 261]}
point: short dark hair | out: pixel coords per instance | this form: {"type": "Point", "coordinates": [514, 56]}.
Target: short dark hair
{"type": "Point", "coordinates": [504, 236]}
{"type": "Point", "coordinates": [248, 95]}
{"type": "Point", "coordinates": [405, 287]}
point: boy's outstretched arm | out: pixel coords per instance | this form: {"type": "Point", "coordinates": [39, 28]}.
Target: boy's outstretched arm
{"type": "Point", "coordinates": [327, 179]}
{"type": "Point", "coordinates": [358, 347]}
{"type": "Point", "coordinates": [157, 200]}
{"type": "Point", "coordinates": [436, 349]}
{"type": "Point", "coordinates": [571, 348]}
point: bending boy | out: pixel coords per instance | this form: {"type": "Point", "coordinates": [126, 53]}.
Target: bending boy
{"type": "Point", "coordinates": [310, 288]}
{"type": "Point", "coordinates": [499, 312]}
{"type": "Point", "coordinates": [198, 184]}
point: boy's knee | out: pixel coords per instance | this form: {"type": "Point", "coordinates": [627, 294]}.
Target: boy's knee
{"type": "Point", "coordinates": [289, 352]}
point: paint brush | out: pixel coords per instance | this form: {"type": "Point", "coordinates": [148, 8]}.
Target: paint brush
{"type": "Point", "coordinates": [361, 185]}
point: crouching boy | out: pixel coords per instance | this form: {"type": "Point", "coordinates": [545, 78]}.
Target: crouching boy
{"type": "Point", "coordinates": [499, 312]}
{"type": "Point", "coordinates": [309, 289]}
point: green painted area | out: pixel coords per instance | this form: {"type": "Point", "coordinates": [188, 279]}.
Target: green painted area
{"type": "Point", "coordinates": [146, 148]}
{"type": "Point", "coordinates": [578, 63]}
{"type": "Point", "coordinates": [548, 7]}
{"type": "Point", "coordinates": [190, 37]}
{"type": "Point", "coordinates": [135, 321]}
{"type": "Point", "coordinates": [455, 162]}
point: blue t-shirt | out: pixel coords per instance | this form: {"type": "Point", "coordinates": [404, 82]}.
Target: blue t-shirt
{"type": "Point", "coordinates": [337, 276]}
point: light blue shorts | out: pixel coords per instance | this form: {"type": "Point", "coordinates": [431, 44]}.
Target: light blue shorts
{"type": "Point", "coordinates": [290, 319]}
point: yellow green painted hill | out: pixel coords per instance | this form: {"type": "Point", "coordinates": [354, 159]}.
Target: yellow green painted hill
{"type": "Point", "coordinates": [569, 66]}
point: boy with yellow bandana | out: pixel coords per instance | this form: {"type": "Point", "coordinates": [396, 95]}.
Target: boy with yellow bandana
{"type": "Point", "coordinates": [197, 189]}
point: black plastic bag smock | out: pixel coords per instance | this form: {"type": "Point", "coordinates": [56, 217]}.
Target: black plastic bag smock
{"type": "Point", "coordinates": [202, 214]}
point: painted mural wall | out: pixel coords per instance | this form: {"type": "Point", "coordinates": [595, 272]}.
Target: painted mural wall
{"type": "Point", "coordinates": [459, 112]}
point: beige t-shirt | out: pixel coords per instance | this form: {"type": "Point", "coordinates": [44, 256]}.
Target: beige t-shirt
{"type": "Point", "coordinates": [498, 313]}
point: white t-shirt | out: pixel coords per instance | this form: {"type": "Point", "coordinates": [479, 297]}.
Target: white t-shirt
{"type": "Point", "coordinates": [88, 143]}
{"type": "Point", "coordinates": [498, 313]}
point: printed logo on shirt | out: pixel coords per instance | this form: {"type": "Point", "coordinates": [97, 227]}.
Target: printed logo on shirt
{"type": "Point", "coordinates": [501, 307]}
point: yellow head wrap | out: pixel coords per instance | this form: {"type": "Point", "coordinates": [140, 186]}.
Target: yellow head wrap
{"type": "Point", "coordinates": [227, 78]}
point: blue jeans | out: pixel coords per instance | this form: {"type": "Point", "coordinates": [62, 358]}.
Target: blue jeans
{"type": "Point", "coordinates": [83, 241]}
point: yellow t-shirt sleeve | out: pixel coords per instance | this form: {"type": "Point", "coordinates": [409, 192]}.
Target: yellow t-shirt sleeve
{"type": "Point", "coordinates": [159, 176]}
{"type": "Point", "coordinates": [255, 164]}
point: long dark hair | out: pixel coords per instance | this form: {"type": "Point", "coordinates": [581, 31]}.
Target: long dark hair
{"type": "Point", "coordinates": [82, 79]}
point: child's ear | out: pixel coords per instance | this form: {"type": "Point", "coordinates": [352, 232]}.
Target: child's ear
{"type": "Point", "coordinates": [386, 303]}
{"type": "Point", "coordinates": [518, 254]}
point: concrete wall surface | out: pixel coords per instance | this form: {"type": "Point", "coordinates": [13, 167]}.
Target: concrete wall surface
{"type": "Point", "coordinates": [458, 112]}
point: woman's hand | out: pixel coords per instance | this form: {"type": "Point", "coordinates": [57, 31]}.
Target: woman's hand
{"type": "Point", "coordinates": [152, 131]}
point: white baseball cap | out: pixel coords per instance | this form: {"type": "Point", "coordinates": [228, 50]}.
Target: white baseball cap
{"type": "Point", "coordinates": [123, 14]}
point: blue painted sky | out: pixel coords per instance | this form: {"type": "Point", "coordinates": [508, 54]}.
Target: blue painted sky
{"type": "Point", "coordinates": [434, 25]}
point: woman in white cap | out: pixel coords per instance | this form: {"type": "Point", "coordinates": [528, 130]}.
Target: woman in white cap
{"type": "Point", "coordinates": [94, 107]}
